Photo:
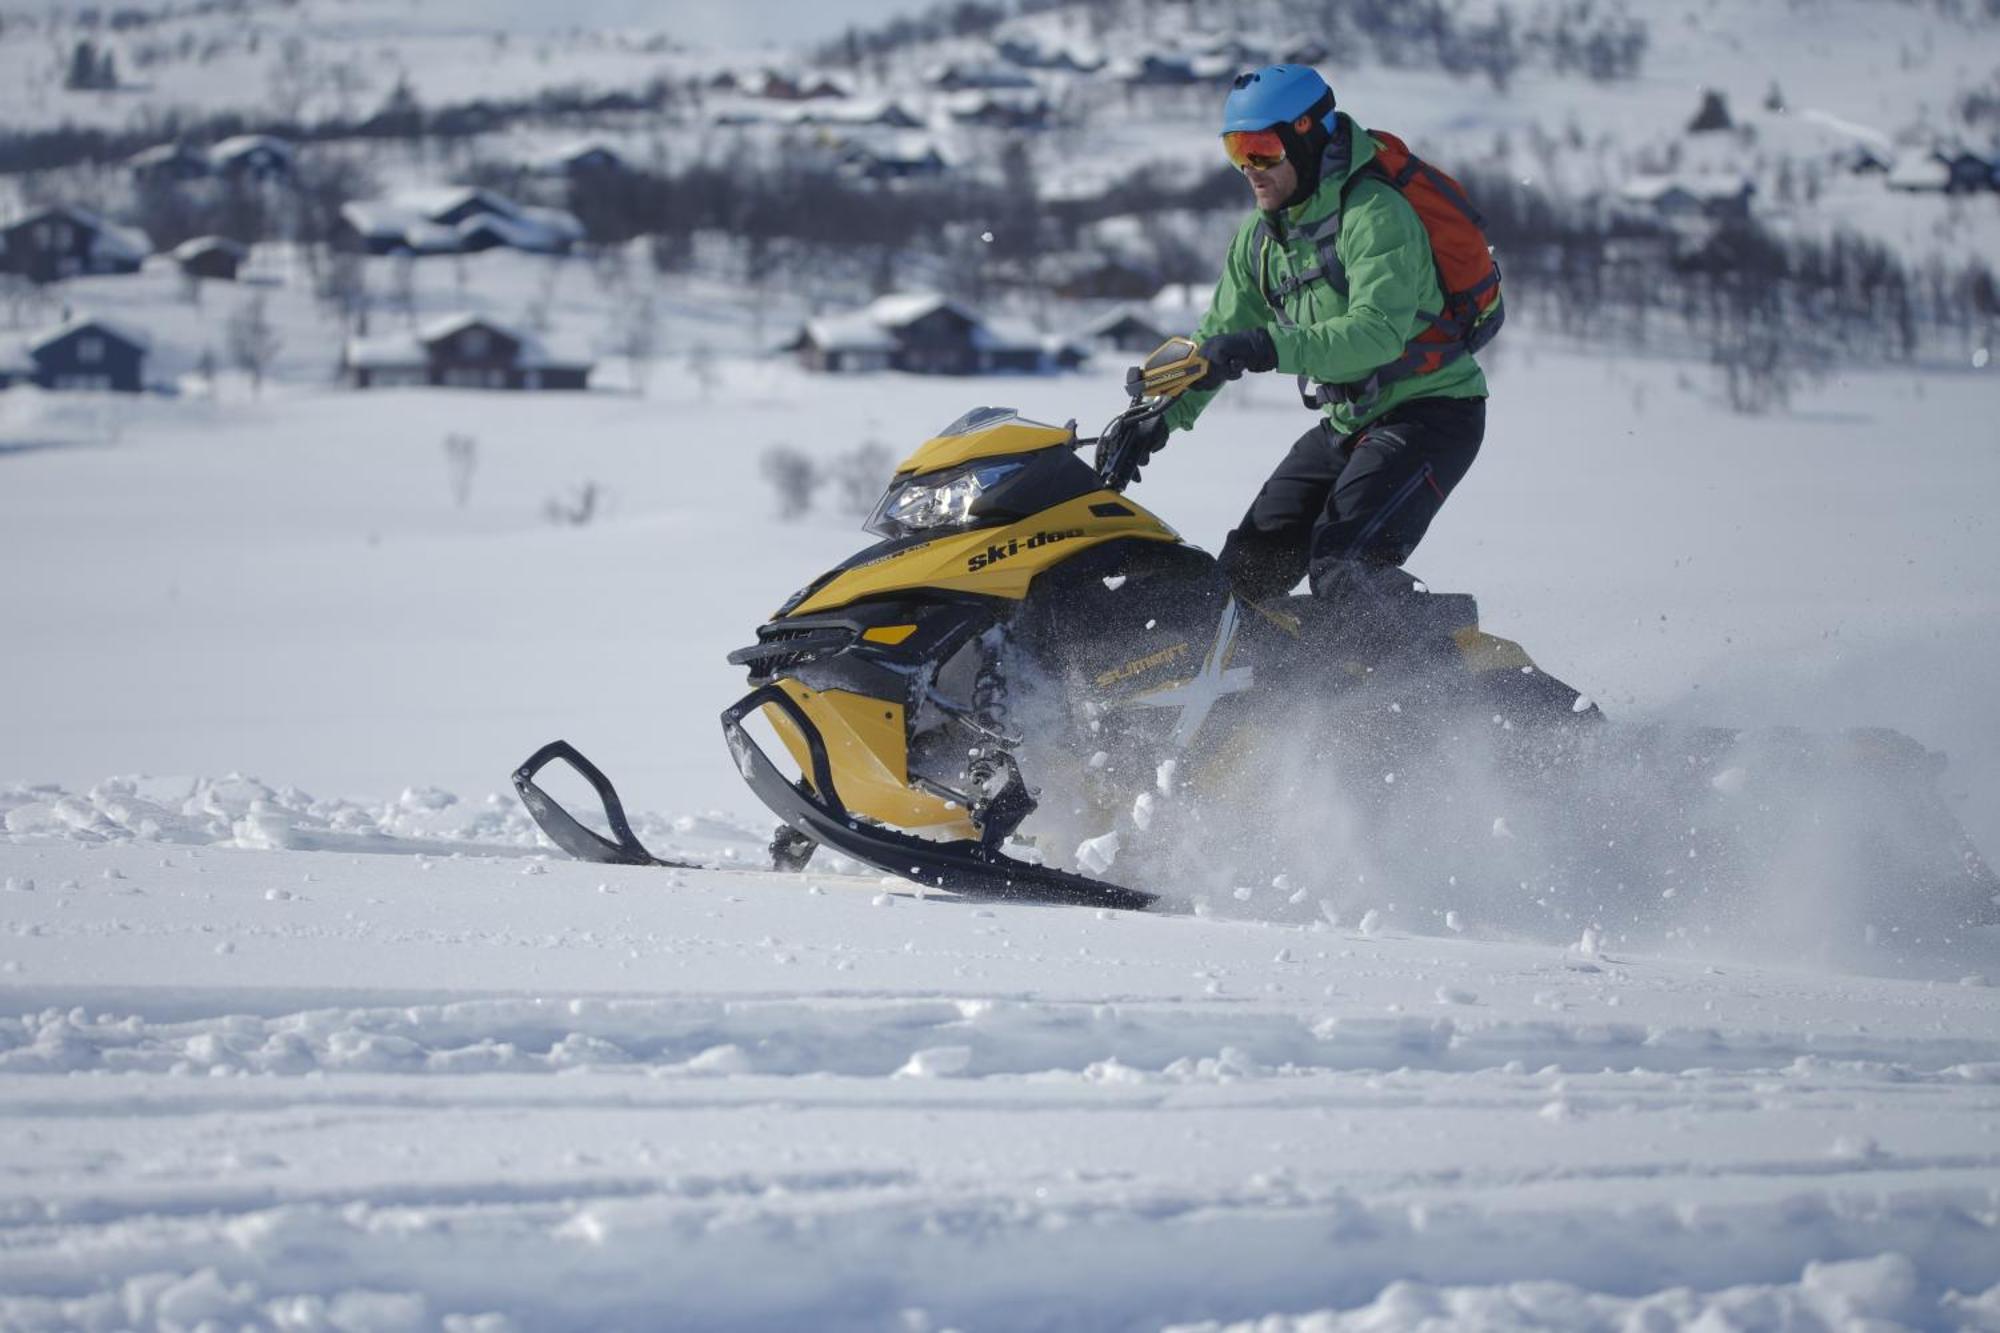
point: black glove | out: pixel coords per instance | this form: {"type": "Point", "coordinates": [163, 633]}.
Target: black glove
{"type": "Point", "coordinates": [1126, 446]}
{"type": "Point", "coordinates": [1230, 354]}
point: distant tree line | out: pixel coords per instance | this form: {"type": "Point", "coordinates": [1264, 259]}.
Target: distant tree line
{"type": "Point", "coordinates": [401, 116]}
{"type": "Point", "coordinates": [1768, 310]}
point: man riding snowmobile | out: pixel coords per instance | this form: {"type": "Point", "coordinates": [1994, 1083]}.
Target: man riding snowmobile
{"type": "Point", "coordinates": [1336, 279]}
{"type": "Point", "coordinates": [1030, 680]}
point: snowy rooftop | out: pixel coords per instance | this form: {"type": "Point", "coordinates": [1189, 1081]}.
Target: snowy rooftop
{"type": "Point", "coordinates": [900, 308]}
{"type": "Point", "coordinates": [239, 144]}
{"type": "Point", "coordinates": [855, 331]}
{"type": "Point", "coordinates": [45, 338]}
{"type": "Point", "coordinates": [200, 245]}
{"type": "Point", "coordinates": [1108, 320]}
{"type": "Point", "coordinates": [411, 217]}
{"type": "Point", "coordinates": [113, 240]}
{"type": "Point", "coordinates": [1702, 186]}
{"type": "Point", "coordinates": [409, 348]}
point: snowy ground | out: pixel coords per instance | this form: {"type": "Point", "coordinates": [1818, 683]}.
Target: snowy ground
{"type": "Point", "coordinates": [320, 1089]}
{"type": "Point", "coordinates": [368, 1059]}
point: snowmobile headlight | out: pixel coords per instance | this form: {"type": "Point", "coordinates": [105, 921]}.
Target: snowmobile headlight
{"type": "Point", "coordinates": [936, 499]}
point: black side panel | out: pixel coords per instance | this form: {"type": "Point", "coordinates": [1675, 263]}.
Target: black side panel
{"type": "Point", "coordinates": [1125, 616]}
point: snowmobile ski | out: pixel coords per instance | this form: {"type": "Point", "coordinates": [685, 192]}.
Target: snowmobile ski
{"type": "Point", "coordinates": [963, 866]}
{"type": "Point", "coordinates": [570, 834]}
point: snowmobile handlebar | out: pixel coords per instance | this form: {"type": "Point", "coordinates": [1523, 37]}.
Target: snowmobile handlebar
{"type": "Point", "coordinates": [1169, 372]}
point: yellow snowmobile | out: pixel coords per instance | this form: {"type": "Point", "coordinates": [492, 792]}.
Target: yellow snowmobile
{"type": "Point", "coordinates": [893, 679]}
{"type": "Point", "coordinates": [1020, 609]}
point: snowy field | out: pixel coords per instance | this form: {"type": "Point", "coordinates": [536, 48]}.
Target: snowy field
{"type": "Point", "coordinates": [338, 1046]}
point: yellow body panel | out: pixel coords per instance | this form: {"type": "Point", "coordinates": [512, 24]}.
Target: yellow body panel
{"type": "Point", "coordinates": [865, 746]}
{"type": "Point", "coordinates": [1488, 652]}
{"type": "Point", "coordinates": [996, 562]}
{"type": "Point", "coordinates": [1009, 437]}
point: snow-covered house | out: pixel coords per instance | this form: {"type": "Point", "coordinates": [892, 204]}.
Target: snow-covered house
{"type": "Point", "coordinates": [780, 86]}
{"type": "Point", "coordinates": [960, 75]}
{"type": "Point", "coordinates": [1969, 170]}
{"type": "Point", "coordinates": [253, 157]}
{"type": "Point", "coordinates": [904, 159]}
{"type": "Point", "coordinates": [1010, 345]}
{"type": "Point", "coordinates": [210, 257]}
{"type": "Point", "coordinates": [886, 114]}
{"type": "Point", "coordinates": [926, 334]}
{"type": "Point", "coordinates": [1862, 159]}
{"type": "Point", "coordinates": [1007, 110]}
{"type": "Point", "coordinates": [242, 157]}
{"type": "Point", "coordinates": [1693, 198]}
{"type": "Point", "coordinates": [1129, 328]}
{"type": "Point", "coordinates": [1030, 53]}
{"type": "Point", "coordinates": [845, 343]}
{"type": "Point", "coordinates": [1920, 172]}
{"type": "Point", "coordinates": [168, 163]}
{"type": "Point", "coordinates": [586, 158]}
{"type": "Point", "coordinates": [79, 354]}
{"type": "Point", "coordinates": [454, 220]}
{"type": "Point", "coordinates": [461, 351]}
{"type": "Point", "coordinates": [64, 241]}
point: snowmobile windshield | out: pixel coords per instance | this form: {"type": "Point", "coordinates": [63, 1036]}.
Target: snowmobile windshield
{"type": "Point", "coordinates": [978, 419]}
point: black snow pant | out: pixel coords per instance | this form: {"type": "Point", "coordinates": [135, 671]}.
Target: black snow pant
{"type": "Point", "coordinates": [1349, 511]}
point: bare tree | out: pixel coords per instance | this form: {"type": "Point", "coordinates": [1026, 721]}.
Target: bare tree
{"type": "Point", "coordinates": [342, 290]}
{"type": "Point", "coordinates": [253, 341]}
{"type": "Point", "coordinates": [639, 338]}
{"type": "Point", "coordinates": [461, 461]}
{"type": "Point", "coordinates": [20, 297]}
{"type": "Point", "coordinates": [701, 365]}
{"type": "Point", "coordinates": [403, 287]}
{"type": "Point", "coordinates": [793, 476]}
{"type": "Point", "coordinates": [294, 79]}
{"type": "Point", "coordinates": [857, 476]}
{"type": "Point", "coordinates": [576, 508]}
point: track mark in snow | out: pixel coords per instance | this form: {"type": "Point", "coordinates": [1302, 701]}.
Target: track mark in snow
{"type": "Point", "coordinates": [680, 1038]}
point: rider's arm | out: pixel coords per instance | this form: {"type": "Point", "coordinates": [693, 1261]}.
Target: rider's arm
{"type": "Point", "coordinates": [1387, 255]}
{"type": "Point", "coordinates": [1238, 303]}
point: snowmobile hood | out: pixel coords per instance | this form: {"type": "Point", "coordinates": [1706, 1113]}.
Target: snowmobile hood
{"type": "Point", "coordinates": [998, 561]}
{"type": "Point", "coordinates": [984, 432]}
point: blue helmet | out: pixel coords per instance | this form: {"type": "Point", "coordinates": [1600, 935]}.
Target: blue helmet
{"type": "Point", "coordinates": [1276, 95]}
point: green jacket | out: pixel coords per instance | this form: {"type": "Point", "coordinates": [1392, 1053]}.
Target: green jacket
{"type": "Point", "coordinates": [1330, 338]}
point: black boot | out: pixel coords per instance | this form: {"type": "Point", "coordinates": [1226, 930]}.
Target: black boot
{"type": "Point", "coordinates": [1386, 617]}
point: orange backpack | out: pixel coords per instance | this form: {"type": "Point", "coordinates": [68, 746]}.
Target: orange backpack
{"type": "Point", "coordinates": [1467, 273]}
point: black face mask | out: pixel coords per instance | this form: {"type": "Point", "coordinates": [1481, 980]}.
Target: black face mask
{"type": "Point", "coordinates": [1307, 150]}
{"type": "Point", "coordinates": [1309, 154]}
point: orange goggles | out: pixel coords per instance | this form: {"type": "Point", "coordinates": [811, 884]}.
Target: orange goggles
{"type": "Point", "coordinates": [1259, 150]}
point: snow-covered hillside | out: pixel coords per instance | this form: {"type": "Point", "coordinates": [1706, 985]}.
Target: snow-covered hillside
{"type": "Point", "coordinates": [1806, 82]}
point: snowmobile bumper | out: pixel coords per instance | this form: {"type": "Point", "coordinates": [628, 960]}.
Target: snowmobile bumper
{"type": "Point", "coordinates": [963, 866]}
